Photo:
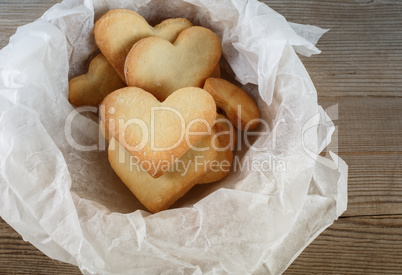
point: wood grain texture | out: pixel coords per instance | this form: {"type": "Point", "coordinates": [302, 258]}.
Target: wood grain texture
{"type": "Point", "coordinates": [358, 72]}
{"type": "Point", "coordinates": [369, 140]}
{"type": "Point", "coordinates": [17, 13]}
{"type": "Point", "coordinates": [355, 245]}
{"type": "Point", "coordinates": [367, 125]}
{"type": "Point", "coordinates": [363, 46]}
{"type": "Point", "coordinates": [20, 257]}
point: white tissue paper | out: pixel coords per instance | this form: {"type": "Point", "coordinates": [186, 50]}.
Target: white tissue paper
{"type": "Point", "coordinates": [70, 204]}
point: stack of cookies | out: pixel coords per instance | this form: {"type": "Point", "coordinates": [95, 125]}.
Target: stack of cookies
{"type": "Point", "coordinates": [168, 116]}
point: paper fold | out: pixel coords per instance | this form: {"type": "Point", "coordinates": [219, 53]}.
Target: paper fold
{"type": "Point", "coordinates": [63, 200]}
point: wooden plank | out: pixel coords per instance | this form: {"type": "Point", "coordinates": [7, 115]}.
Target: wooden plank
{"type": "Point", "coordinates": [17, 13]}
{"type": "Point", "coordinates": [374, 184]}
{"type": "Point", "coordinates": [354, 245]}
{"type": "Point", "coordinates": [20, 257]}
{"type": "Point", "coordinates": [362, 52]}
{"type": "Point", "coordinates": [368, 138]}
{"type": "Point", "coordinates": [366, 125]}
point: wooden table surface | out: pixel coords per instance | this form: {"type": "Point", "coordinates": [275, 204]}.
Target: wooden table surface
{"type": "Point", "coordinates": [360, 70]}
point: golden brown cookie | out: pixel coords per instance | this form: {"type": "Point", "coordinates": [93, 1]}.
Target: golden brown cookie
{"type": "Point", "coordinates": [158, 194]}
{"type": "Point", "coordinates": [160, 67]}
{"type": "Point", "coordinates": [217, 72]}
{"type": "Point", "coordinates": [118, 30]}
{"type": "Point", "coordinates": [91, 88]}
{"type": "Point", "coordinates": [157, 131]}
{"type": "Point", "coordinates": [237, 104]}
{"type": "Point", "coordinates": [226, 136]}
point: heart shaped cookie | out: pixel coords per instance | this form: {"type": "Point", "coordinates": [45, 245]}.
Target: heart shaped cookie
{"type": "Point", "coordinates": [118, 30]}
{"type": "Point", "coordinates": [160, 67]}
{"type": "Point", "coordinates": [237, 104]}
{"type": "Point", "coordinates": [158, 194]}
{"type": "Point", "coordinates": [225, 139]}
{"type": "Point", "coordinates": [158, 133]}
{"type": "Point", "coordinates": [91, 88]}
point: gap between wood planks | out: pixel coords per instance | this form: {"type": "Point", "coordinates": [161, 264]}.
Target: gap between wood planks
{"type": "Point", "coordinates": [378, 216]}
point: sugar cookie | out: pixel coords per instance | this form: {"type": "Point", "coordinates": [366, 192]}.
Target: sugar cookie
{"type": "Point", "coordinates": [237, 104]}
{"type": "Point", "coordinates": [160, 67]}
{"type": "Point", "coordinates": [158, 131]}
{"type": "Point", "coordinates": [91, 88]}
{"type": "Point", "coordinates": [158, 194]}
{"type": "Point", "coordinates": [118, 30]}
{"type": "Point", "coordinates": [226, 137]}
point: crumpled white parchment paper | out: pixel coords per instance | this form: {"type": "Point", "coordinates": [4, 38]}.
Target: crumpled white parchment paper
{"type": "Point", "coordinates": [70, 204]}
